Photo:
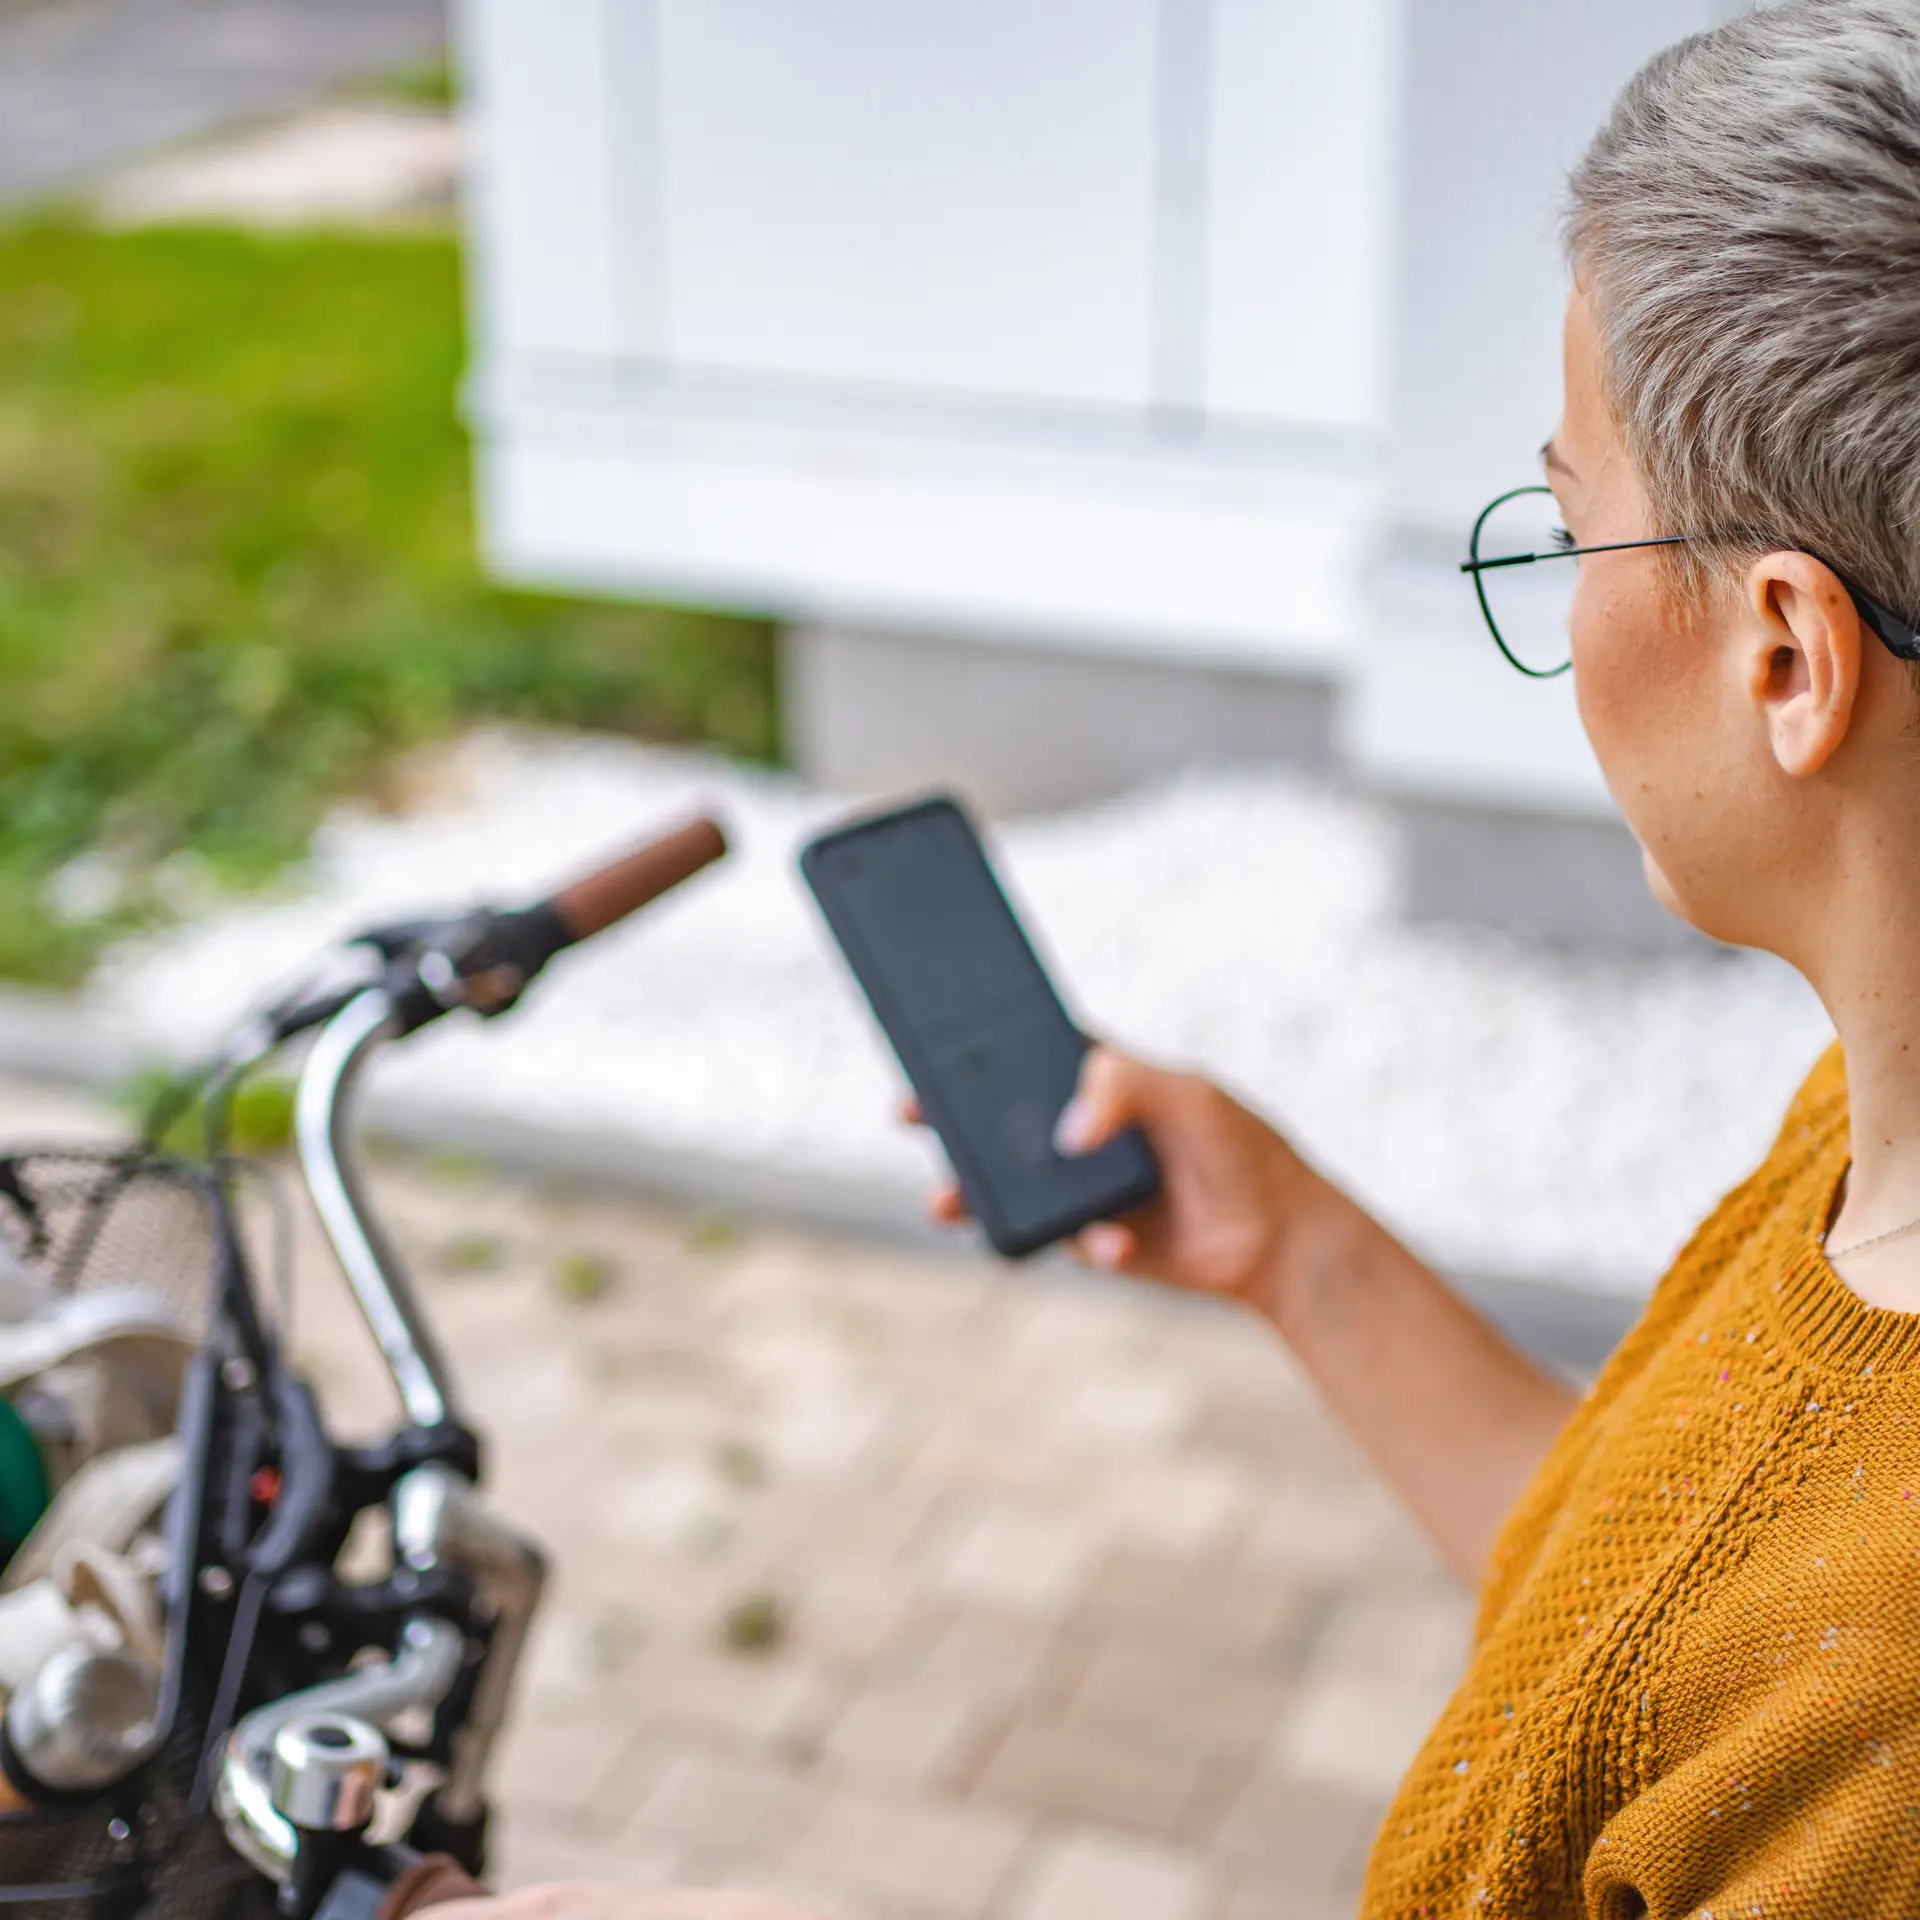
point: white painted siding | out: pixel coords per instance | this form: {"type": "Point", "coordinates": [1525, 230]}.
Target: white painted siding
{"type": "Point", "coordinates": [876, 193]}
{"type": "Point", "coordinates": [1136, 324]}
{"type": "Point", "coordinates": [543, 204]}
{"type": "Point", "coordinates": [1297, 302]}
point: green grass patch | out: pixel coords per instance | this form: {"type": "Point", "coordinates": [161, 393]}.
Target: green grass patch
{"type": "Point", "coordinates": [259, 1118]}
{"type": "Point", "coordinates": [238, 576]}
{"type": "Point", "coordinates": [430, 84]}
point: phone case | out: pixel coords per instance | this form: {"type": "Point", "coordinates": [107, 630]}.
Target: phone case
{"type": "Point", "coordinates": [1135, 1176]}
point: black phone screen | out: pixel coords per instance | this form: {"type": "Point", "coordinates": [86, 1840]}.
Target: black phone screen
{"type": "Point", "coordinates": [983, 1036]}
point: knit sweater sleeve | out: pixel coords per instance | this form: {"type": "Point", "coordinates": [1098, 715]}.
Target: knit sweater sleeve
{"type": "Point", "coordinates": [1804, 1804]}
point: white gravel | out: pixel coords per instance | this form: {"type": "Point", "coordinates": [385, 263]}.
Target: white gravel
{"type": "Point", "coordinates": [1513, 1112]}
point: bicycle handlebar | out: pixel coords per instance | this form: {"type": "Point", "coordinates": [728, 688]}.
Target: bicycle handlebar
{"type": "Point", "coordinates": [598, 900]}
{"type": "Point", "coordinates": [496, 954]}
{"type": "Point", "coordinates": [505, 951]}
{"type": "Point", "coordinates": [488, 960]}
{"type": "Point", "coordinates": [481, 961]}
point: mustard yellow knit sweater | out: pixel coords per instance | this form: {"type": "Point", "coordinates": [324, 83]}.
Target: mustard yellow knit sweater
{"type": "Point", "coordinates": [1695, 1686]}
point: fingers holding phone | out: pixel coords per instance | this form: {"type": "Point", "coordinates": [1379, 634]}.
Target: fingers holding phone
{"type": "Point", "coordinates": [946, 1204]}
{"type": "Point", "coordinates": [1229, 1184]}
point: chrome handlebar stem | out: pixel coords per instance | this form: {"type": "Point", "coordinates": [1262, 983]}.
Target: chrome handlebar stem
{"type": "Point", "coordinates": [323, 1132]}
{"type": "Point", "coordinates": [438, 1520]}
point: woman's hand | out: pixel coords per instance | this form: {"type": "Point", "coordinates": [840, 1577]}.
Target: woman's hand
{"type": "Point", "coordinates": [1231, 1190]}
{"type": "Point", "coordinates": [1456, 1417]}
{"type": "Point", "coordinates": [607, 1900]}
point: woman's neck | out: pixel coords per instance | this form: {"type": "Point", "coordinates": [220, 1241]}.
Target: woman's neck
{"type": "Point", "coordinates": [1868, 976]}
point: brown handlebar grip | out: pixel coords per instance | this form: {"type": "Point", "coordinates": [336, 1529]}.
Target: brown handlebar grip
{"type": "Point", "coordinates": [432, 1881]}
{"type": "Point", "coordinates": [595, 901]}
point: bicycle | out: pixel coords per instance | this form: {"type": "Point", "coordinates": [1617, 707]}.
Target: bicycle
{"type": "Point", "coordinates": [319, 1743]}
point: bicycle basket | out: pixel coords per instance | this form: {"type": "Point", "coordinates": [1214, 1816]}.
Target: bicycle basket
{"type": "Point", "coordinates": [85, 1220]}
{"type": "Point", "coordinates": [91, 1219]}
{"type": "Point", "coordinates": [140, 1853]}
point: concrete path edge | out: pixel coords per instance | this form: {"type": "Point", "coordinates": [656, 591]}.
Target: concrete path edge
{"type": "Point", "coordinates": [54, 1037]}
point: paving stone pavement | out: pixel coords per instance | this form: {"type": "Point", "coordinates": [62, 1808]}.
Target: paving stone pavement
{"type": "Point", "coordinates": [85, 84]}
{"type": "Point", "coordinates": [1078, 1608]}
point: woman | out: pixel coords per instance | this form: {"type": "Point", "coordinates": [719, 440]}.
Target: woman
{"type": "Point", "coordinates": [1695, 1685]}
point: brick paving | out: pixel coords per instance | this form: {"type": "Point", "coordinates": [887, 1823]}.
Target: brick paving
{"type": "Point", "coordinates": [1073, 1605]}
{"type": "Point", "coordinates": [1085, 1610]}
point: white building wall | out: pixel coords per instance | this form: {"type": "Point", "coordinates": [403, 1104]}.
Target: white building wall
{"type": "Point", "coordinates": [945, 203]}
{"type": "Point", "coordinates": [1192, 330]}
{"type": "Point", "coordinates": [1294, 284]}
{"type": "Point", "coordinates": [551, 228]}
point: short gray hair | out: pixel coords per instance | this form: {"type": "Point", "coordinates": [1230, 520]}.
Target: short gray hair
{"type": "Point", "coordinates": [1747, 224]}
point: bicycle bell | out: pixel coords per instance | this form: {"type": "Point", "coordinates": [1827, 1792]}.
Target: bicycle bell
{"type": "Point", "coordinates": [327, 1770]}
{"type": "Point", "coordinates": [84, 1721]}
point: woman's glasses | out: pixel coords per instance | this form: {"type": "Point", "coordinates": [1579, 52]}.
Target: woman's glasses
{"type": "Point", "coordinates": [1526, 606]}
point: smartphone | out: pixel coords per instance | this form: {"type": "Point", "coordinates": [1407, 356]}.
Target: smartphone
{"type": "Point", "coordinates": [992, 1054]}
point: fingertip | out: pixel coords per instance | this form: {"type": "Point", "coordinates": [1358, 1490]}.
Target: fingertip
{"type": "Point", "coordinates": [1099, 1107]}
{"type": "Point", "coordinates": [1077, 1131]}
{"type": "Point", "coordinates": [1108, 1246]}
{"type": "Point", "coordinates": [947, 1207]}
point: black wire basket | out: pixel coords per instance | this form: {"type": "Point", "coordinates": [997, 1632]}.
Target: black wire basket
{"type": "Point", "coordinates": [86, 1219]}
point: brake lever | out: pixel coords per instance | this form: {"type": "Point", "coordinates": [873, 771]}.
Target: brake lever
{"type": "Point", "coordinates": [404, 939]}
{"type": "Point", "coordinates": [427, 968]}
{"type": "Point", "coordinates": [483, 962]}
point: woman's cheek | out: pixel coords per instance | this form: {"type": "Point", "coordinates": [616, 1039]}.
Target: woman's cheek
{"type": "Point", "coordinates": [1606, 697]}
{"type": "Point", "coordinates": [1648, 695]}
{"type": "Point", "coordinates": [1601, 691]}
{"type": "Point", "coordinates": [1626, 674]}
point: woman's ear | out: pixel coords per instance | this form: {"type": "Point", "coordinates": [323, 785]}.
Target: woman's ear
{"type": "Point", "coordinates": [1802, 643]}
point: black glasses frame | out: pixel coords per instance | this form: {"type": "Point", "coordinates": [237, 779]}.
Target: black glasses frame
{"type": "Point", "coordinates": [1895, 634]}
